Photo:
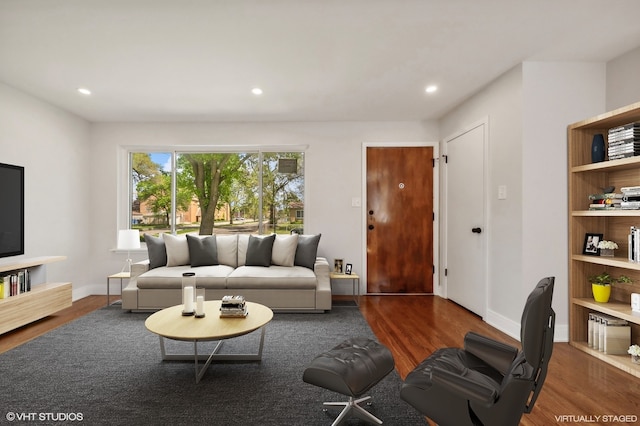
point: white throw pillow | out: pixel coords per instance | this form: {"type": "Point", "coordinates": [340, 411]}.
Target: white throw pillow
{"type": "Point", "coordinates": [243, 245]}
{"type": "Point", "coordinates": [284, 250]}
{"type": "Point", "coordinates": [177, 249]}
{"type": "Point", "coordinates": [227, 250]}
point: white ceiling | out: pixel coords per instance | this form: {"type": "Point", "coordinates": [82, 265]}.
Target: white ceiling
{"type": "Point", "coordinates": [318, 60]}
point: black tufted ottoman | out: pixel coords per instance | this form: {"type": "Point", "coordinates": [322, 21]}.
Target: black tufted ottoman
{"type": "Point", "coordinates": [351, 368]}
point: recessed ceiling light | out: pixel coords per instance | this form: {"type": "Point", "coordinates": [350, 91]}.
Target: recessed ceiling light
{"type": "Point", "coordinates": [431, 89]}
{"type": "Point", "coordinates": [256, 91]}
{"type": "Point", "coordinates": [84, 91]}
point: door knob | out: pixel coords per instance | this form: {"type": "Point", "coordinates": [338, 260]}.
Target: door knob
{"type": "Point", "coordinates": [371, 227]}
{"type": "Point", "coordinates": [476, 230]}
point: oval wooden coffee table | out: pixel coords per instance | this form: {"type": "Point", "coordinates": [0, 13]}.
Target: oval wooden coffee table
{"type": "Point", "coordinates": [171, 324]}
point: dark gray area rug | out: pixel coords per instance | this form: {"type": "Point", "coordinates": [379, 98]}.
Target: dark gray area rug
{"type": "Point", "coordinates": [106, 368]}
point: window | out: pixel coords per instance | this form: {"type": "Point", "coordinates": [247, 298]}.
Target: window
{"type": "Point", "coordinates": [216, 192]}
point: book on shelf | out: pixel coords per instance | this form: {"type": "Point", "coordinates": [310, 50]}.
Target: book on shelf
{"type": "Point", "coordinates": [630, 205]}
{"type": "Point", "coordinates": [15, 283]}
{"type": "Point", "coordinates": [606, 196]}
{"type": "Point", "coordinates": [634, 244]}
{"type": "Point", "coordinates": [606, 201]}
{"type": "Point", "coordinates": [624, 131]}
{"type": "Point", "coordinates": [608, 334]}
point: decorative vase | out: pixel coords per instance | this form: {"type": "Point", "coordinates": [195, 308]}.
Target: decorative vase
{"type": "Point", "coordinates": [635, 359]}
{"type": "Point", "coordinates": [601, 293]}
{"type": "Point", "coordinates": [597, 148]}
{"type": "Point", "coordinates": [606, 252]}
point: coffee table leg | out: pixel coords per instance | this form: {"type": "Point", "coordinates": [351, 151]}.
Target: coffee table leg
{"type": "Point", "coordinates": [214, 355]}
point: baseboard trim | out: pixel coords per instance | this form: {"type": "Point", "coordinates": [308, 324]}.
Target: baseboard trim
{"type": "Point", "coordinates": [512, 328]}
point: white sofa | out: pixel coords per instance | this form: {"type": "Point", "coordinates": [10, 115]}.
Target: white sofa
{"type": "Point", "coordinates": [282, 272]}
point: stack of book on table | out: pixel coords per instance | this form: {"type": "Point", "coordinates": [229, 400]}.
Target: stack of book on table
{"type": "Point", "coordinates": [624, 141]}
{"type": "Point", "coordinates": [233, 307]}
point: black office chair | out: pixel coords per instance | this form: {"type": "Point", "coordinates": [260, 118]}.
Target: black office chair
{"type": "Point", "coordinates": [487, 382]}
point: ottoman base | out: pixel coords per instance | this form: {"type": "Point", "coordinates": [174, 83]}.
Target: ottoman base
{"type": "Point", "coordinates": [352, 407]}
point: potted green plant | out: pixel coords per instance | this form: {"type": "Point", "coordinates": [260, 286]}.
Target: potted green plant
{"type": "Point", "coordinates": [601, 285]}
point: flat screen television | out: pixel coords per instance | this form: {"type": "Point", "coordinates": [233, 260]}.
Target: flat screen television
{"type": "Point", "coordinates": [11, 210]}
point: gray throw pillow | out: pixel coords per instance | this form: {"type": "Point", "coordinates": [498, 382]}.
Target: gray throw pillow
{"type": "Point", "coordinates": [203, 251]}
{"type": "Point", "coordinates": [259, 250]}
{"type": "Point", "coordinates": [307, 250]}
{"type": "Point", "coordinates": [156, 250]}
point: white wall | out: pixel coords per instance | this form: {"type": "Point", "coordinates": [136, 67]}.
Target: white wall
{"type": "Point", "coordinates": [500, 101]}
{"type": "Point", "coordinates": [53, 147]}
{"type": "Point", "coordinates": [555, 95]}
{"type": "Point", "coordinates": [529, 109]}
{"type": "Point", "coordinates": [333, 174]}
{"type": "Point", "coordinates": [623, 86]}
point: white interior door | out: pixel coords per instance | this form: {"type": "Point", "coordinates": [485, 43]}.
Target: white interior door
{"type": "Point", "coordinates": [465, 218]}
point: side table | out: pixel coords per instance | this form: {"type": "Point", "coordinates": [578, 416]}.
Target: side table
{"type": "Point", "coordinates": [119, 275]}
{"type": "Point", "coordinates": [355, 283]}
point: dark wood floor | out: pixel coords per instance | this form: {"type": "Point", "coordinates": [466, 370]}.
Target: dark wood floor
{"type": "Point", "coordinates": [578, 386]}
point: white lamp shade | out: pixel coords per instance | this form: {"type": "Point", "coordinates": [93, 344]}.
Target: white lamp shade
{"type": "Point", "coordinates": [128, 239]}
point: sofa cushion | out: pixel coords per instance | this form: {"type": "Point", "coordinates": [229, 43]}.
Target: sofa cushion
{"type": "Point", "coordinates": [273, 277]}
{"type": "Point", "coordinates": [284, 250]}
{"type": "Point", "coordinates": [177, 249]}
{"type": "Point", "coordinates": [259, 250]}
{"type": "Point", "coordinates": [243, 244]}
{"type": "Point", "coordinates": [171, 277]}
{"type": "Point", "coordinates": [307, 250]}
{"type": "Point", "coordinates": [203, 250]}
{"type": "Point", "coordinates": [227, 246]}
{"type": "Point", "coordinates": [156, 250]}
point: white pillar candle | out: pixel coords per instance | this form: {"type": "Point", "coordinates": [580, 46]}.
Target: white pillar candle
{"type": "Point", "coordinates": [199, 305]}
{"type": "Point", "coordinates": [188, 299]}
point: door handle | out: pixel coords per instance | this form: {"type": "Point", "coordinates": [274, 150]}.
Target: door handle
{"type": "Point", "coordinates": [476, 230]}
{"type": "Point", "coordinates": [371, 227]}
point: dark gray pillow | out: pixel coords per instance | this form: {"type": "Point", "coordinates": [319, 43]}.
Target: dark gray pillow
{"type": "Point", "coordinates": [307, 250]}
{"type": "Point", "coordinates": [156, 250]}
{"type": "Point", "coordinates": [259, 250]}
{"type": "Point", "coordinates": [203, 251]}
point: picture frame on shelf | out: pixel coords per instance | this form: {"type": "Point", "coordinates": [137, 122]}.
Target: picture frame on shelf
{"type": "Point", "coordinates": [348, 268]}
{"type": "Point", "coordinates": [590, 247]}
{"type": "Point", "coordinates": [337, 266]}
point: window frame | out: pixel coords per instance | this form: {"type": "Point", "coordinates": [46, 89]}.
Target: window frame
{"type": "Point", "coordinates": [124, 219]}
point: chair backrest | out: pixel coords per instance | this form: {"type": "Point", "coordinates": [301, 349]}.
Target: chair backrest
{"type": "Point", "coordinates": [536, 333]}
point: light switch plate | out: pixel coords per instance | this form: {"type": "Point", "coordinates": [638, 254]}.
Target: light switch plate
{"type": "Point", "coordinates": [502, 192]}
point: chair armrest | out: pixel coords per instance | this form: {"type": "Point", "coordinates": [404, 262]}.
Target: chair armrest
{"type": "Point", "coordinates": [497, 354]}
{"type": "Point", "coordinates": [465, 386]}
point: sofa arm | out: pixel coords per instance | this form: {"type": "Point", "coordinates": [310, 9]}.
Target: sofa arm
{"type": "Point", "coordinates": [323, 289]}
{"type": "Point", "coordinates": [321, 267]}
{"type": "Point", "coordinates": [139, 268]}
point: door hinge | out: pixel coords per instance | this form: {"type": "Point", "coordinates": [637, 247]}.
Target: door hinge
{"type": "Point", "coordinates": [434, 269]}
{"type": "Point", "coordinates": [433, 160]}
{"type": "Point", "coordinates": [446, 158]}
{"type": "Point", "coordinates": [446, 271]}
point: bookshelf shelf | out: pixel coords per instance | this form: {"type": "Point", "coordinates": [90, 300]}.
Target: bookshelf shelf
{"type": "Point", "coordinates": [43, 300]}
{"type": "Point", "coordinates": [586, 178]}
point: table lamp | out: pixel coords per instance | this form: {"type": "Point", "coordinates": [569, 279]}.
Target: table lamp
{"type": "Point", "coordinates": [128, 239]}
